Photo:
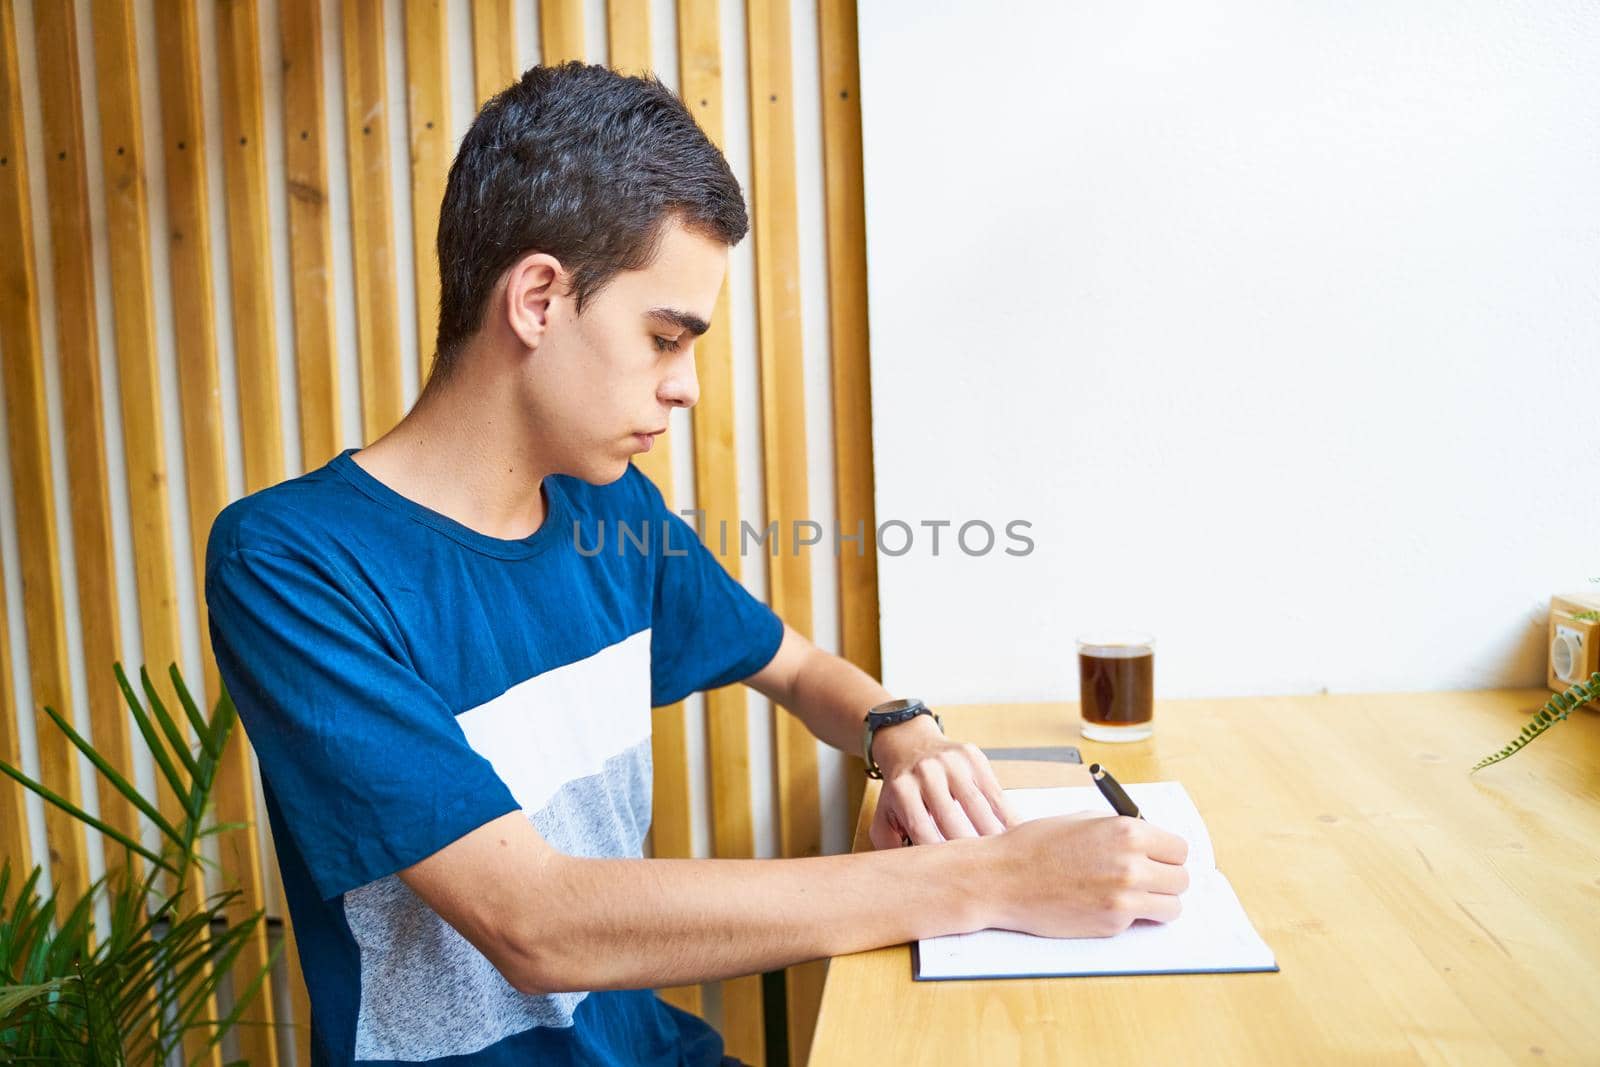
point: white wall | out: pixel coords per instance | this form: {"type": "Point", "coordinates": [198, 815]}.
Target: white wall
{"type": "Point", "coordinates": [1279, 322]}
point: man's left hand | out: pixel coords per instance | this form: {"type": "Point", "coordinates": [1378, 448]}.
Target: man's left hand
{"type": "Point", "coordinates": [934, 789]}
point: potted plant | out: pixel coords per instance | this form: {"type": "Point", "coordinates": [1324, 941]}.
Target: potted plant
{"type": "Point", "coordinates": [138, 990]}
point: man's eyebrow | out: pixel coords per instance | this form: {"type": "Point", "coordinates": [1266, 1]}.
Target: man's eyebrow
{"type": "Point", "coordinates": [682, 319]}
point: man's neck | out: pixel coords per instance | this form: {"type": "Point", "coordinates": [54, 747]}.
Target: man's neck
{"type": "Point", "coordinates": [465, 452]}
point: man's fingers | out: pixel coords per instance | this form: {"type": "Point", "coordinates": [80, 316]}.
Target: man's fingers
{"type": "Point", "coordinates": [1166, 878]}
{"type": "Point", "coordinates": [1161, 907]}
{"type": "Point", "coordinates": [935, 795]}
{"type": "Point", "coordinates": [921, 826]}
{"type": "Point", "coordinates": [977, 806]}
{"type": "Point", "coordinates": [989, 785]}
{"type": "Point", "coordinates": [908, 805]}
{"type": "Point", "coordinates": [1165, 845]}
{"type": "Point", "coordinates": [952, 820]}
{"type": "Point", "coordinates": [936, 800]}
{"type": "Point", "coordinates": [882, 833]}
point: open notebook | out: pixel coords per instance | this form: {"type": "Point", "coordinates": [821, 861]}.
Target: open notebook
{"type": "Point", "coordinates": [1212, 934]}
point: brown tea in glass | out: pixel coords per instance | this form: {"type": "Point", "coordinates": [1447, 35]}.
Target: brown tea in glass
{"type": "Point", "coordinates": [1116, 686]}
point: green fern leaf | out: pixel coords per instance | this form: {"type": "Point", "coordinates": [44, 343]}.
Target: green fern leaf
{"type": "Point", "coordinates": [1555, 710]}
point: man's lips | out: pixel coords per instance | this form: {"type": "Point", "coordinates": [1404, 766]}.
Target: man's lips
{"type": "Point", "coordinates": [647, 439]}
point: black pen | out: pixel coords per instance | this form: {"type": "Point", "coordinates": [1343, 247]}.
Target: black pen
{"type": "Point", "coordinates": [1113, 792]}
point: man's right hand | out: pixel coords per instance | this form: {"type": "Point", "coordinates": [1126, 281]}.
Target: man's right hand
{"type": "Point", "coordinates": [1087, 875]}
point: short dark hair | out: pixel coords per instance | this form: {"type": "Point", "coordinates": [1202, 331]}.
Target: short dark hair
{"type": "Point", "coordinates": [586, 165]}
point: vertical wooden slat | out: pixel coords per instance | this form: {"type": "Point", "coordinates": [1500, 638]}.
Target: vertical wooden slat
{"type": "Point", "coordinates": [261, 424]}
{"type": "Point", "coordinates": [494, 44]}
{"type": "Point", "coordinates": [777, 258]}
{"type": "Point", "coordinates": [628, 36]}
{"type": "Point", "coordinates": [183, 150]}
{"type": "Point", "coordinates": [427, 115]}
{"type": "Point", "coordinates": [244, 159]}
{"type": "Point", "coordinates": [316, 359]}
{"type": "Point", "coordinates": [78, 361]}
{"type": "Point", "coordinates": [122, 152]}
{"type": "Point", "coordinates": [560, 31]}
{"type": "Point", "coordinates": [189, 261]}
{"type": "Point", "coordinates": [717, 496]}
{"type": "Point", "coordinates": [42, 596]}
{"type": "Point", "coordinates": [310, 237]}
{"type": "Point", "coordinates": [847, 335]}
{"type": "Point", "coordinates": [14, 845]}
{"type": "Point", "coordinates": [372, 236]}
{"type": "Point", "coordinates": [13, 195]}
{"type": "Point", "coordinates": [299, 998]}
{"type": "Point", "coordinates": [128, 248]}
{"type": "Point", "coordinates": [672, 828]}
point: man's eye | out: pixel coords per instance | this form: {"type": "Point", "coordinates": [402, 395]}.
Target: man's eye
{"type": "Point", "coordinates": [668, 344]}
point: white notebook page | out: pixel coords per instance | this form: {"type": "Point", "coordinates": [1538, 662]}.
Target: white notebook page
{"type": "Point", "coordinates": [1212, 933]}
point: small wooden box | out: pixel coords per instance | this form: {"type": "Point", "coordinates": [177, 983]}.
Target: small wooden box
{"type": "Point", "coordinates": [1574, 648]}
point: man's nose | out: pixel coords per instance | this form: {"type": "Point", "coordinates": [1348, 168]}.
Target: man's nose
{"type": "Point", "coordinates": [682, 387]}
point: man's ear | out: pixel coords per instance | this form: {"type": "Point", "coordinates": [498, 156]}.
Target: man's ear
{"type": "Point", "coordinates": [532, 282]}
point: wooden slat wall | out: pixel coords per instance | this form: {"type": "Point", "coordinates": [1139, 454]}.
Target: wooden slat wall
{"type": "Point", "coordinates": [190, 263]}
{"type": "Point", "coordinates": [366, 110]}
{"type": "Point", "coordinates": [427, 115]}
{"type": "Point", "coordinates": [781, 358]}
{"type": "Point", "coordinates": [847, 341]}
{"type": "Point", "coordinates": [29, 435]}
{"type": "Point", "coordinates": [255, 357]}
{"type": "Point", "coordinates": [188, 235]}
{"type": "Point", "coordinates": [353, 321]}
{"type": "Point", "coordinates": [14, 846]}
{"type": "Point", "coordinates": [560, 30]}
{"type": "Point", "coordinates": [628, 36]}
{"type": "Point", "coordinates": [672, 828]}
{"type": "Point", "coordinates": [305, 157]}
{"type": "Point", "coordinates": [310, 239]}
{"type": "Point", "coordinates": [189, 266]}
{"type": "Point", "coordinates": [128, 249]}
{"type": "Point", "coordinates": [128, 245]}
{"type": "Point", "coordinates": [78, 362]}
{"type": "Point", "coordinates": [494, 44]}
{"type": "Point", "coordinates": [717, 496]}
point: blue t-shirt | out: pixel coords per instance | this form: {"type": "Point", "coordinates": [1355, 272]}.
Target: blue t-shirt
{"type": "Point", "coordinates": [405, 679]}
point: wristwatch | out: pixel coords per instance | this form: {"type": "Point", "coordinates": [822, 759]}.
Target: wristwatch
{"type": "Point", "coordinates": [891, 713]}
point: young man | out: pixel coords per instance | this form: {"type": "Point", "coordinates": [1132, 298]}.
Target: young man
{"type": "Point", "coordinates": [450, 691]}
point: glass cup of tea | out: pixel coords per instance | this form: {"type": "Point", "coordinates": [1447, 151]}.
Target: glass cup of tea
{"type": "Point", "coordinates": [1116, 692]}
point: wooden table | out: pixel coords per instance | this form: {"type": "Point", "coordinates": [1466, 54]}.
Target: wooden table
{"type": "Point", "coordinates": [1418, 914]}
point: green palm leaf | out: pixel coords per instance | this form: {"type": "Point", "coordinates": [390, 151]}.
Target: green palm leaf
{"type": "Point", "coordinates": [124, 787]}
{"type": "Point", "coordinates": [169, 725]}
{"type": "Point", "coordinates": [158, 751]}
{"type": "Point", "coordinates": [78, 813]}
{"type": "Point", "coordinates": [208, 741]}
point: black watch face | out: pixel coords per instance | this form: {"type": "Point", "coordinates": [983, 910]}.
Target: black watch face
{"type": "Point", "coordinates": [893, 706]}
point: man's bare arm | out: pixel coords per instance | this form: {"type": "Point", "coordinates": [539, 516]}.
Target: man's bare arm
{"type": "Point", "coordinates": [828, 693]}
{"type": "Point", "coordinates": [935, 788]}
{"type": "Point", "coordinates": [551, 922]}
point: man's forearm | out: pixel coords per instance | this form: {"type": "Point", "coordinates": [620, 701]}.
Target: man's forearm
{"type": "Point", "coordinates": [831, 696]}
{"type": "Point", "coordinates": [634, 924]}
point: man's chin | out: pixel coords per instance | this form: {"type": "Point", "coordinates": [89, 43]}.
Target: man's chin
{"type": "Point", "coordinates": [603, 472]}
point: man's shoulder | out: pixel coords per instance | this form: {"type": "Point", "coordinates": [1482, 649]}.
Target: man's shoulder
{"type": "Point", "coordinates": [297, 518]}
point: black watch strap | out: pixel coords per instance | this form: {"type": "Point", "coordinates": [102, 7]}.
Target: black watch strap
{"type": "Point", "coordinates": [892, 713]}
